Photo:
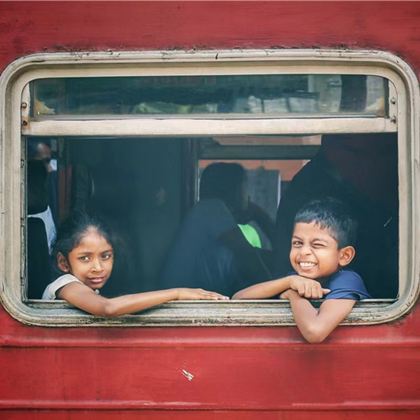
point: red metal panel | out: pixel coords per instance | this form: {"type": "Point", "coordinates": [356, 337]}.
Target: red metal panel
{"type": "Point", "coordinates": [368, 369]}
{"type": "Point", "coordinates": [209, 415]}
{"type": "Point", "coordinates": [238, 373]}
{"type": "Point", "coordinates": [26, 27]}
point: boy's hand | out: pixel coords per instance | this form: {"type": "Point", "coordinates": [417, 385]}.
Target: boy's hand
{"type": "Point", "coordinates": [308, 288]}
{"type": "Point", "coordinates": [198, 294]}
{"type": "Point", "coordinates": [288, 294]}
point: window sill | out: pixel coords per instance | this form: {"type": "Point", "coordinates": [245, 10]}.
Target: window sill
{"type": "Point", "coordinates": [197, 313]}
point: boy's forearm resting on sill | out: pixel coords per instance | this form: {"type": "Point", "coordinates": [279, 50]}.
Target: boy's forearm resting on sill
{"type": "Point", "coordinates": [316, 324]}
{"type": "Point", "coordinates": [308, 288]}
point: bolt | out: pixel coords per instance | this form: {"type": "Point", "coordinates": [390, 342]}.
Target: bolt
{"type": "Point", "coordinates": [393, 101]}
{"type": "Point", "coordinates": [394, 119]}
{"type": "Point", "coordinates": [24, 105]}
{"type": "Point", "coordinates": [24, 122]}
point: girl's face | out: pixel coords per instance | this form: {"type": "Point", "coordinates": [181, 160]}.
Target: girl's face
{"type": "Point", "coordinates": [90, 261]}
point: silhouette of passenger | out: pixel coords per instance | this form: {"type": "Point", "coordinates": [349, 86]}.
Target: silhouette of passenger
{"type": "Point", "coordinates": [38, 253]}
{"type": "Point", "coordinates": [361, 171]}
{"type": "Point", "coordinates": [40, 151]}
{"type": "Point", "coordinates": [210, 250]}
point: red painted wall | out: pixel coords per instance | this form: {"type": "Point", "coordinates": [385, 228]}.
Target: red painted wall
{"type": "Point", "coordinates": [28, 27]}
{"type": "Point", "coordinates": [239, 373]}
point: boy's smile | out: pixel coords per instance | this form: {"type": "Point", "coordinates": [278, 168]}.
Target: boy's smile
{"type": "Point", "coordinates": [314, 253]}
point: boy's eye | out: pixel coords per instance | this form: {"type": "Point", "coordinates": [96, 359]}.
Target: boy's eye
{"type": "Point", "coordinates": [296, 244]}
{"type": "Point", "coordinates": [318, 245]}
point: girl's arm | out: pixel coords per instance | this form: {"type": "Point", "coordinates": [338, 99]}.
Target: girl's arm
{"type": "Point", "coordinates": [303, 286]}
{"type": "Point", "coordinates": [316, 324]}
{"type": "Point", "coordinates": [84, 298]}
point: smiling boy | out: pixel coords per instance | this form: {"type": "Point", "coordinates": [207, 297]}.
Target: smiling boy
{"type": "Point", "coordinates": [322, 246]}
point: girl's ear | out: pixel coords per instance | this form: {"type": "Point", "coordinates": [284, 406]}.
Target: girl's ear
{"type": "Point", "coordinates": [62, 263]}
{"type": "Point", "coordinates": [346, 255]}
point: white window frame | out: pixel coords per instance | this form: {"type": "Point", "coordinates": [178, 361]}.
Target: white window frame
{"type": "Point", "coordinates": [14, 120]}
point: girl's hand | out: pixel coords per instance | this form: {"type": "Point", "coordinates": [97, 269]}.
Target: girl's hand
{"type": "Point", "coordinates": [308, 288]}
{"type": "Point", "coordinates": [198, 294]}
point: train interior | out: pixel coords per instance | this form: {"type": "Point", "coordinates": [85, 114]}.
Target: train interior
{"type": "Point", "coordinates": [145, 185]}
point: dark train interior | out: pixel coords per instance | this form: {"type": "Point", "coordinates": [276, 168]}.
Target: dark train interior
{"type": "Point", "coordinates": [146, 185]}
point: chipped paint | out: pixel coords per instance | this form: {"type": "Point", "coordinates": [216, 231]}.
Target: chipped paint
{"type": "Point", "coordinates": [187, 374]}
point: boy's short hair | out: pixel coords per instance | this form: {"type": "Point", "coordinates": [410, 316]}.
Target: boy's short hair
{"type": "Point", "coordinates": [331, 214]}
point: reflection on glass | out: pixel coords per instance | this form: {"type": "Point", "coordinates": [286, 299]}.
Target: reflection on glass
{"type": "Point", "coordinates": [268, 95]}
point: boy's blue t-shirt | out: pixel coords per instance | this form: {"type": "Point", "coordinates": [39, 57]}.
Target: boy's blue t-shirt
{"type": "Point", "coordinates": [345, 284]}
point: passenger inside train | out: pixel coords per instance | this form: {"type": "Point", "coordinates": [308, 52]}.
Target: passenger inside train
{"type": "Point", "coordinates": [38, 251]}
{"type": "Point", "coordinates": [84, 255]}
{"type": "Point", "coordinates": [211, 249]}
{"type": "Point", "coordinates": [322, 246]}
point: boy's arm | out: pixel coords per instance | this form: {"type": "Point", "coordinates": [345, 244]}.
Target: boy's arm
{"type": "Point", "coordinates": [86, 299]}
{"type": "Point", "coordinates": [303, 286]}
{"type": "Point", "coordinates": [316, 324]}
{"type": "Point", "coordinates": [264, 290]}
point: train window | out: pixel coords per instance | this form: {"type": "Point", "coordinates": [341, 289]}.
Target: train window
{"type": "Point", "coordinates": [127, 135]}
{"type": "Point", "coordinates": [268, 95]}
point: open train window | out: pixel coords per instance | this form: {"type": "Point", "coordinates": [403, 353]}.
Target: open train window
{"type": "Point", "coordinates": [128, 134]}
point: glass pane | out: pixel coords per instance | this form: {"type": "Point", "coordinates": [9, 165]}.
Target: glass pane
{"type": "Point", "coordinates": [258, 95]}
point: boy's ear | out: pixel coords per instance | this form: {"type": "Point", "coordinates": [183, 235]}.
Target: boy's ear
{"type": "Point", "coordinates": [346, 255]}
{"type": "Point", "coordinates": [62, 263]}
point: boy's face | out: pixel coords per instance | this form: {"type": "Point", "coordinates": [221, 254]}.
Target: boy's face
{"type": "Point", "coordinates": [314, 253]}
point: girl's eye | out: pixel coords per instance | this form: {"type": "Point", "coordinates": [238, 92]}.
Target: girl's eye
{"type": "Point", "coordinates": [107, 256]}
{"type": "Point", "coordinates": [84, 258]}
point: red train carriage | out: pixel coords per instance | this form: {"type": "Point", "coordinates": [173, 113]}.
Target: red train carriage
{"type": "Point", "coordinates": [134, 99]}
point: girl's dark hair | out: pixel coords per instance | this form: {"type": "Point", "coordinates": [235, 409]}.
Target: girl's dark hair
{"type": "Point", "coordinates": [73, 229]}
{"type": "Point", "coordinates": [222, 180]}
{"type": "Point", "coordinates": [331, 214]}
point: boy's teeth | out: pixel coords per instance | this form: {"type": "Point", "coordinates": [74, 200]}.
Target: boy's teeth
{"type": "Point", "coordinates": [306, 264]}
